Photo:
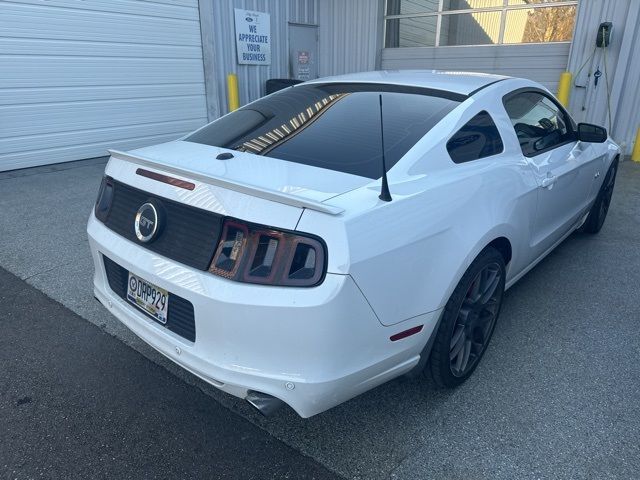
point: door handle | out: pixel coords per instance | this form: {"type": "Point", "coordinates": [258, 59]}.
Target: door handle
{"type": "Point", "coordinates": [547, 182]}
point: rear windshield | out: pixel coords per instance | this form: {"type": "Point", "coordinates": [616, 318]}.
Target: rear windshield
{"type": "Point", "coordinates": [333, 126]}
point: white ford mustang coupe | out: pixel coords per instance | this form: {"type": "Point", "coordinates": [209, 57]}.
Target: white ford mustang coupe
{"type": "Point", "coordinates": [339, 233]}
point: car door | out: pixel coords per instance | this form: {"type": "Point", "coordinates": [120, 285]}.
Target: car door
{"type": "Point", "coordinates": [564, 174]}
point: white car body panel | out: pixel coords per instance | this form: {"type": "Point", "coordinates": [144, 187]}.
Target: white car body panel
{"type": "Point", "coordinates": [209, 197]}
{"type": "Point", "coordinates": [509, 185]}
{"type": "Point", "coordinates": [265, 177]}
{"type": "Point", "coordinates": [326, 341]}
{"type": "Point", "coordinates": [391, 265]}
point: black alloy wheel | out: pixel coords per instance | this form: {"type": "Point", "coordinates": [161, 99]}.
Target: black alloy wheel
{"type": "Point", "coordinates": [468, 320]}
{"type": "Point", "coordinates": [476, 319]}
{"type": "Point", "coordinates": [600, 208]}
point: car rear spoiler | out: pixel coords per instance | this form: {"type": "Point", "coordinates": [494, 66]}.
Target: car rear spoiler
{"type": "Point", "coordinates": [246, 188]}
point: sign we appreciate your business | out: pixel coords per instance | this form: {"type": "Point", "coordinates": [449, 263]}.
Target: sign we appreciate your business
{"type": "Point", "coordinates": [253, 37]}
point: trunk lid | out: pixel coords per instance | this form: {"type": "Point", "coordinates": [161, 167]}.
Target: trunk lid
{"type": "Point", "coordinates": [278, 180]}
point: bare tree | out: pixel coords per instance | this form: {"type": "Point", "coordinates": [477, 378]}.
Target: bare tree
{"type": "Point", "coordinates": [553, 24]}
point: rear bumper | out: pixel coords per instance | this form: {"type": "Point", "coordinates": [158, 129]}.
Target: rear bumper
{"type": "Point", "coordinates": [313, 348]}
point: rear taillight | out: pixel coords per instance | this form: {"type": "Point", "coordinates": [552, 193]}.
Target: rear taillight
{"type": "Point", "coordinates": [258, 254]}
{"type": "Point", "coordinates": [105, 199]}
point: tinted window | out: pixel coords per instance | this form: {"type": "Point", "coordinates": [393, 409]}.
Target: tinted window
{"type": "Point", "coordinates": [333, 126]}
{"type": "Point", "coordinates": [478, 138]}
{"type": "Point", "coordinates": [539, 123]}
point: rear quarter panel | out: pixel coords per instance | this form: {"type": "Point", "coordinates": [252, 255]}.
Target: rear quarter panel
{"type": "Point", "coordinates": [408, 255]}
{"type": "Point", "coordinates": [604, 153]}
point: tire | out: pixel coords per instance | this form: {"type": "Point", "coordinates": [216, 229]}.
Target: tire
{"type": "Point", "coordinates": [600, 208]}
{"type": "Point", "coordinates": [467, 323]}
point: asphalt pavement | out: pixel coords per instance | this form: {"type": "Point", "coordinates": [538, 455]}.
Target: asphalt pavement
{"type": "Point", "coordinates": [557, 395]}
{"type": "Point", "coordinates": [78, 403]}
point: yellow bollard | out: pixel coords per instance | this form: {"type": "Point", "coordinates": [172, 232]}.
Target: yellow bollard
{"type": "Point", "coordinates": [564, 88]}
{"type": "Point", "coordinates": [635, 154]}
{"type": "Point", "coordinates": [232, 92]}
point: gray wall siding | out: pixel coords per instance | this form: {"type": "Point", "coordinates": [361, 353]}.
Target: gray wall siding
{"type": "Point", "coordinates": [350, 35]}
{"type": "Point", "coordinates": [541, 62]}
{"type": "Point", "coordinates": [589, 103]}
{"type": "Point", "coordinates": [219, 47]}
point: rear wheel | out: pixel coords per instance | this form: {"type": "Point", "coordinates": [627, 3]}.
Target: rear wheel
{"type": "Point", "coordinates": [468, 320]}
{"type": "Point", "coordinates": [600, 208]}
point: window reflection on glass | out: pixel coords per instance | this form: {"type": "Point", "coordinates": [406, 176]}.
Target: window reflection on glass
{"type": "Point", "coordinates": [469, 4]}
{"type": "Point", "coordinates": [482, 28]}
{"type": "Point", "coordinates": [268, 140]}
{"type": "Point", "coordinates": [411, 32]}
{"type": "Point", "coordinates": [478, 138]}
{"type": "Point", "coordinates": [533, 25]}
{"type": "Point", "coordinates": [484, 22]}
{"type": "Point", "coordinates": [403, 7]}
{"type": "Point", "coordinates": [333, 126]}
{"type": "Point", "coordinates": [538, 122]}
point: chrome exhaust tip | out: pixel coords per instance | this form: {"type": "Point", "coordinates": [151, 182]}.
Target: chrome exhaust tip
{"type": "Point", "coordinates": [265, 404]}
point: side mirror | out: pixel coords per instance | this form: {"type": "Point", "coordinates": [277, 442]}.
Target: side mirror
{"type": "Point", "coordinates": [591, 133]}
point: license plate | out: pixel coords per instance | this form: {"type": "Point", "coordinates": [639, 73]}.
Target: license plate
{"type": "Point", "coordinates": [148, 298]}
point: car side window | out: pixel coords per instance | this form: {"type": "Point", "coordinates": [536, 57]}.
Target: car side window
{"type": "Point", "coordinates": [538, 122]}
{"type": "Point", "coordinates": [478, 138]}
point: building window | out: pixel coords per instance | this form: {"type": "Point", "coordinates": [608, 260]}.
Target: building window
{"type": "Point", "coordinates": [434, 23]}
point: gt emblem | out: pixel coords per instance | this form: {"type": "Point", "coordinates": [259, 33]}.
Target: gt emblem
{"type": "Point", "coordinates": [146, 223]}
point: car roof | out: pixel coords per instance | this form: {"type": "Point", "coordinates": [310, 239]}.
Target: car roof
{"type": "Point", "coordinates": [464, 83]}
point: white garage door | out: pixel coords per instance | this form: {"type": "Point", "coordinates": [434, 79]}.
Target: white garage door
{"type": "Point", "coordinates": [78, 77]}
